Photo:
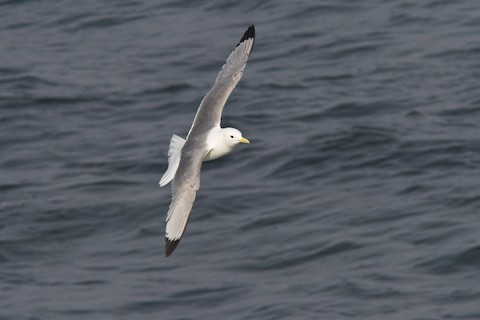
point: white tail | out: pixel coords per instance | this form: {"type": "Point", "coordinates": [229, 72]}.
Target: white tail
{"type": "Point", "coordinates": [176, 145]}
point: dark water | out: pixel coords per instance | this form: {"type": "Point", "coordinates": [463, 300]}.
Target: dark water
{"type": "Point", "coordinates": [359, 197]}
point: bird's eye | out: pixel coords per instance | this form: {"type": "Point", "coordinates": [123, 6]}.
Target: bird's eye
{"type": "Point", "coordinates": [231, 137]}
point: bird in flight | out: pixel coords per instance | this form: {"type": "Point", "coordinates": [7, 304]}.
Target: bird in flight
{"type": "Point", "coordinates": [205, 141]}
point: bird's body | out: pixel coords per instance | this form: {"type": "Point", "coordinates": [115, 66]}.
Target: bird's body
{"type": "Point", "coordinates": [205, 141]}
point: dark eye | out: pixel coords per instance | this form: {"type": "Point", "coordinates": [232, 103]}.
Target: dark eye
{"type": "Point", "coordinates": [231, 137]}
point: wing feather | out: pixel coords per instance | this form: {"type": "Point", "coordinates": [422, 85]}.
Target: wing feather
{"type": "Point", "coordinates": [184, 190]}
{"type": "Point", "coordinates": [210, 110]}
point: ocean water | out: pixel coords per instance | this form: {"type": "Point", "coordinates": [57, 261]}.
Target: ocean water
{"type": "Point", "coordinates": [358, 198]}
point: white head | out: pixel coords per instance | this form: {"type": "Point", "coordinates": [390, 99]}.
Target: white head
{"type": "Point", "coordinates": [233, 136]}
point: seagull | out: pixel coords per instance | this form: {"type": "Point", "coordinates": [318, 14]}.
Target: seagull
{"type": "Point", "coordinates": [205, 141]}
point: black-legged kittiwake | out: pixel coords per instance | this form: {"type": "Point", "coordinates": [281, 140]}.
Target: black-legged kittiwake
{"type": "Point", "coordinates": [205, 141]}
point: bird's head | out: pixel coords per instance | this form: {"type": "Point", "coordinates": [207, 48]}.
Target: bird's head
{"type": "Point", "coordinates": [233, 136]}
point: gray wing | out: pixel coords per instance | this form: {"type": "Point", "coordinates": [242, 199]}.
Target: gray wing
{"type": "Point", "coordinates": [210, 111]}
{"type": "Point", "coordinates": [184, 190]}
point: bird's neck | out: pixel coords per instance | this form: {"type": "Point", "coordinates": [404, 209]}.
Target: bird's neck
{"type": "Point", "coordinates": [217, 145]}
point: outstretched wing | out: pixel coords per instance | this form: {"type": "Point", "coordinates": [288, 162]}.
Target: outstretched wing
{"type": "Point", "coordinates": [184, 190]}
{"type": "Point", "coordinates": [210, 111]}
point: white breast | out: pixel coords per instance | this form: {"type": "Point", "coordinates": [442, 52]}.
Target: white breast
{"type": "Point", "coordinates": [217, 153]}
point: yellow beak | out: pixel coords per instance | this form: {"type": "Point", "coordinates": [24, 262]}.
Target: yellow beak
{"type": "Point", "coordinates": [243, 140]}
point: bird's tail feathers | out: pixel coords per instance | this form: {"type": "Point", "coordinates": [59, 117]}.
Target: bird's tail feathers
{"type": "Point", "coordinates": [174, 151]}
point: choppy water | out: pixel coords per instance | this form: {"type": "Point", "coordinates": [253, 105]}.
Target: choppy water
{"type": "Point", "coordinates": [358, 198]}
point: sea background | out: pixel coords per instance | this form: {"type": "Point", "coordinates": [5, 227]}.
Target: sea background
{"type": "Point", "coordinates": [358, 198]}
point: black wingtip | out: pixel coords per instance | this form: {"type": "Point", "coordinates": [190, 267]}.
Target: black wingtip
{"type": "Point", "coordinates": [170, 245]}
{"type": "Point", "coordinates": [249, 34]}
